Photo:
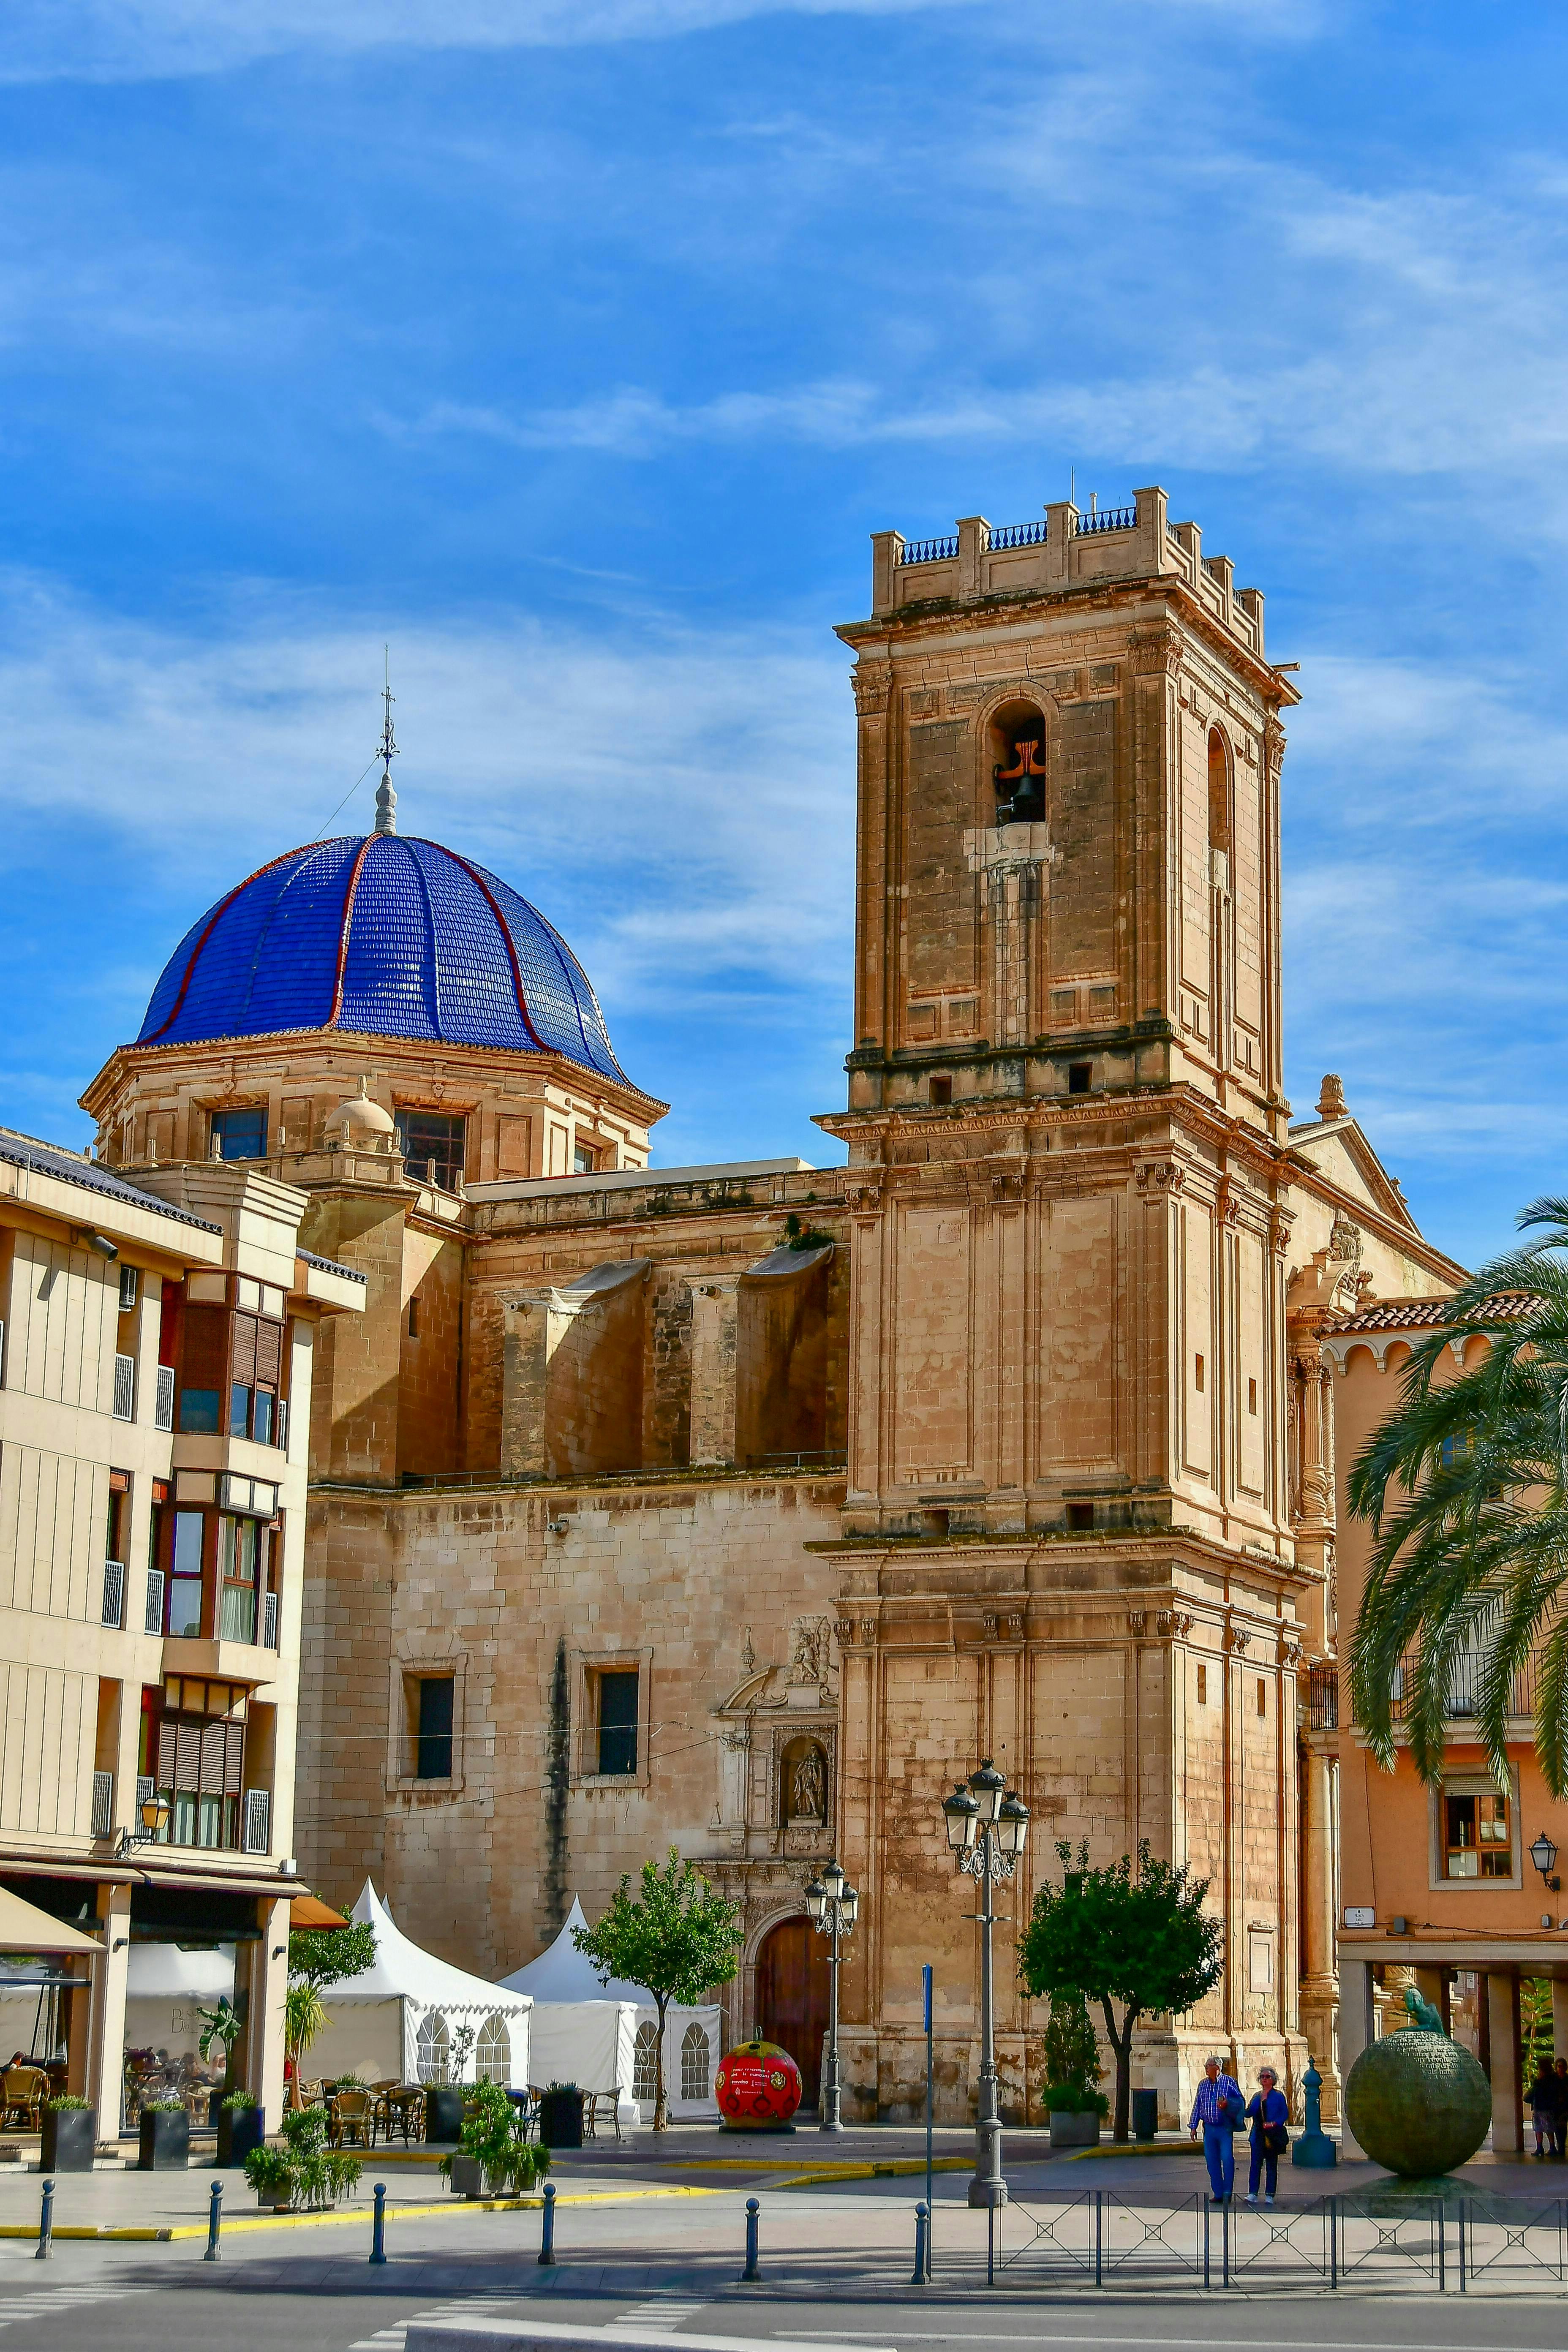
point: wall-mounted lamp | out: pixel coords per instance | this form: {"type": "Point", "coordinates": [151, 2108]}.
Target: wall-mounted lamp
{"type": "Point", "coordinates": [120, 1943]}
{"type": "Point", "coordinates": [279, 1951]}
{"type": "Point", "coordinates": [154, 1813]}
{"type": "Point", "coordinates": [1544, 1855]}
{"type": "Point", "coordinates": [100, 1244]}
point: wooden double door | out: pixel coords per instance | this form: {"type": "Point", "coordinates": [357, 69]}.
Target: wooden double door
{"type": "Point", "coordinates": [793, 1991]}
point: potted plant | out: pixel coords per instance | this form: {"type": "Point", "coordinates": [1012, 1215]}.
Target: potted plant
{"type": "Point", "coordinates": [492, 2158]}
{"type": "Point", "coordinates": [70, 2135]}
{"type": "Point", "coordinates": [304, 2175]}
{"type": "Point", "coordinates": [1076, 2109]}
{"type": "Point", "coordinates": [166, 2133]}
{"type": "Point", "coordinates": [241, 2127]}
{"type": "Point", "coordinates": [443, 2114]}
{"type": "Point", "coordinates": [560, 2115]}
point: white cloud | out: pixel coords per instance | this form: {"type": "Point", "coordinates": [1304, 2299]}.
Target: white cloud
{"type": "Point", "coordinates": [682, 805]}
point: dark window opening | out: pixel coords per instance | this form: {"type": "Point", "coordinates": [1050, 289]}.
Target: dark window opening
{"type": "Point", "coordinates": [941, 1090]}
{"type": "Point", "coordinates": [1219, 791]}
{"type": "Point", "coordinates": [1203, 1686]}
{"type": "Point", "coordinates": [1017, 735]}
{"type": "Point", "coordinates": [433, 1740]}
{"type": "Point", "coordinates": [414, 1318]}
{"type": "Point", "coordinates": [1252, 1396]}
{"type": "Point", "coordinates": [935, 1523]}
{"type": "Point", "coordinates": [435, 1145]}
{"type": "Point", "coordinates": [1080, 1518]}
{"type": "Point", "coordinates": [1198, 1374]}
{"type": "Point", "coordinates": [618, 1696]}
{"type": "Point", "coordinates": [1080, 1078]}
{"type": "Point", "coordinates": [1262, 1696]}
{"type": "Point", "coordinates": [240, 1134]}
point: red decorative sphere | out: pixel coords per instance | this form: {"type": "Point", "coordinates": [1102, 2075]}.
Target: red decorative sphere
{"type": "Point", "coordinates": [758, 2087]}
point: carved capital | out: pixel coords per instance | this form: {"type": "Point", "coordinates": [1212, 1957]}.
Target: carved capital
{"type": "Point", "coordinates": [844, 1631]}
{"type": "Point", "coordinates": [1137, 1623]}
{"type": "Point", "coordinates": [863, 1189]}
{"type": "Point", "coordinates": [1236, 1641]}
{"type": "Point", "coordinates": [872, 687]}
{"type": "Point", "coordinates": [1156, 1176]}
{"type": "Point", "coordinates": [868, 1629]}
{"type": "Point", "coordinates": [1280, 1222]}
{"type": "Point", "coordinates": [1273, 744]}
{"type": "Point", "coordinates": [1174, 1624]}
{"type": "Point", "coordinates": [1289, 1652]}
{"type": "Point", "coordinates": [1154, 650]}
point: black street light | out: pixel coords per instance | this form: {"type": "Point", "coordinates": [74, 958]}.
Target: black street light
{"type": "Point", "coordinates": [987, 1828]}
{"type": "Point", "coordinates": [1544, 1855]}
{"type": "Point", "coordinates": [833, 1906]}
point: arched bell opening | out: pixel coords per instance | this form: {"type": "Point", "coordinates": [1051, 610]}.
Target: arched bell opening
{"type": "Point", "coordinates": [1016, 736]}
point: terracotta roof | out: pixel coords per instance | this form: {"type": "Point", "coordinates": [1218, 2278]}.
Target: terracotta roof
{"type": "Point", "coordinates": [1427, 1314]}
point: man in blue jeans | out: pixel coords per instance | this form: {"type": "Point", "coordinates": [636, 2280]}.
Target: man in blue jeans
{"type": "Point", "coordinates": [1209, 2109]}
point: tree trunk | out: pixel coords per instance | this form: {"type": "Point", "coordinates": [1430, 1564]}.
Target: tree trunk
{"type": "Point", "coordinates": [1121, 2126]}
{"type": "Point", "coordinates": [660, 2115]}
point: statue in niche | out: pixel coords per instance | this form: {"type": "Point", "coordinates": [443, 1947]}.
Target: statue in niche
{"type": "Point", "coordinates": [809, 1786]}
{"type": "Point", "coordinates": [1021, 788]}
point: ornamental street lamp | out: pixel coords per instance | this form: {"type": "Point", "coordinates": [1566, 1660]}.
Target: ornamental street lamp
{"type": "Point", "coordinates": [1544, 1855]}
{"type": "Point", "coordinates": [832, 1904]}
{"type": "Point", "coordinates": [155, 1813]}
{"type": "Point", "coordinates": [987, 1828]}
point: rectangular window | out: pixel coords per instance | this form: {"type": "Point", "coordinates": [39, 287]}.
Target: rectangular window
{"type": "Point", "coordinates": [1203, 1686]}
{"type": "Point", "coordinates": [198, 1413]}
{"type": "Point", "coordinates": [618, 1727]}
{"type": "Point", "coordinates": [582, 1161]}
{"type": "Point", "coordinates": [1252, 1396]}
{"type": "Point", "coordinates": [239, 1552]}
{"type": "Point", "coordinates": [1262, 1696]}
{"type": "Point", "coordinates": [433, 1729]}
{"type": "Point", "coordinates": [414, 1318]}
{"type": "Point", "coordinates": [240, 1134]}
{"type": "Point", "coordinates": [184, 1588]}
{"type": "Point", "coordinates": [434, 1144]}
{"type": "Point", "coordinates": [239, 1412]}
{"type": "Point", "coordinates": [261, 1408]}
{"type": "Point", "coordinates": [1080, 1078]}
{"type": "Point", "coordinates": [941, 1091]}
{"type": "Point", "coordinates": [1478, 1837]}
{"type": "Point", "coordinates": [1198, 1374]}
{"type": "Point", "coordinates": [1080, 1518]}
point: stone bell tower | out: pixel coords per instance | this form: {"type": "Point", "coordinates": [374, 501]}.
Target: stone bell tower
{"type": "Point", "coordinates": [1067, 1537]}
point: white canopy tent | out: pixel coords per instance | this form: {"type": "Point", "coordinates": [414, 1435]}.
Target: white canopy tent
{"type": "Point", "coordinates": [406, 2015]}
{"type": "Point", "coordinates": [603, 2037]}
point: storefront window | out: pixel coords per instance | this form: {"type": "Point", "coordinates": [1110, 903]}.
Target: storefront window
{"type": "Point", "coordinates": [1479, 1838]}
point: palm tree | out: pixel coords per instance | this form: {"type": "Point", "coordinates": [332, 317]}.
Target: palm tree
{"type": "Point", "coordinates": [1465, 1486]}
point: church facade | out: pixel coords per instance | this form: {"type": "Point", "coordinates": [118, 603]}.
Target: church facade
{"type": "Point", "coordinates": [745, 1508]}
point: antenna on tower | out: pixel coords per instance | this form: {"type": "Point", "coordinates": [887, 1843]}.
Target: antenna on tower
{"type": "Point", "coordinates": [386, 798]}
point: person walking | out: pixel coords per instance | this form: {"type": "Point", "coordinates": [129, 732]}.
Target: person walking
{"type": "Point", "coordinates": [1542, 2100]}
{"type": "Point", "coordinates": [1559, 2106]}
{"type": "Point", "coordinates": [1269, 2113]}
{"type": "Point", "coordinates": [1218, 2111]}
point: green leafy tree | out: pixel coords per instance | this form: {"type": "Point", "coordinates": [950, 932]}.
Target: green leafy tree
{"type": "Point", "coordinates": [1465, 1488]}
{"type": "Point", "coordinates": [678, 1939]}
{"type": "Point", "coordinates": [1116, 1935]}
{"type": "Point", "coordinates": [222, 2026]}
{"type": "Point", "coordinates": [317, 1956]}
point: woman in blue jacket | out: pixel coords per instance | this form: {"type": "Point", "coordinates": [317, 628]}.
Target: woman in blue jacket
{"type": "Point", "coordinates": [1267, 2112]}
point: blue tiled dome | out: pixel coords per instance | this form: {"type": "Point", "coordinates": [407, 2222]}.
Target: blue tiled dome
{"type": "Point", "coordinates": [384, 934]}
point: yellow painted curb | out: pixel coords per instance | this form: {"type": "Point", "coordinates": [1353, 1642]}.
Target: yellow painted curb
{"type": "Point", "coordinates": [448, 2205]}
{"type": "Point", "coordinates": [1138, 2147]}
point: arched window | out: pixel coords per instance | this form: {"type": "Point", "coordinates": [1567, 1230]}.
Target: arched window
{"type": "Point", "coordinates": [435, 2047]}
{"type": "Point", "coordinates": [645, 2064]}
{"type": "Point", "coordinates": [695, 2061]}
{"type": "Point", "coordinates": [1219, 791]}
{"type": "Point", "coordinates": [1017, 742]}
{"type": "Point", "coordinates": [492, 2052]}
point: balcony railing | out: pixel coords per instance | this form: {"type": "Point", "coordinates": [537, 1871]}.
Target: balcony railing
{"type": "Point", "coordinates": [1108, 519]}
{"type": "Point", "coordinates": [1464, 1692]}
{"type": "Point", "coordinates": [1017, 535]}
{"type": "Point", "coordinates": [929, 551]}
{"type": "Point", "coordinates": [1322, 1698]}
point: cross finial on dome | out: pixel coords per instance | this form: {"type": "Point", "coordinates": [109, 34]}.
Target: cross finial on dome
{"type": "Point", "coordinates": [386, 798]}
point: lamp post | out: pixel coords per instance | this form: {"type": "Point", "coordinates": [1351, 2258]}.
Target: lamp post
{"type": "Point", "coordinates": [987, 1827]}
{"type": "Point", "coordinates": [832, 1906]}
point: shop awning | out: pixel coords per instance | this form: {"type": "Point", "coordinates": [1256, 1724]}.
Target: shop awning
{"type": "Point", "coordinates": [24, 1928]}
{"type": "Point", "coordinates": [309, 1911]}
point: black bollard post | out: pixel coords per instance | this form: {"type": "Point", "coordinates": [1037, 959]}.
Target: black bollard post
{"type": "Point", "coordinates": [215, 2223]}
{"type": "Point", "coordinates": [547, 2228]}
{"type": "Point", "coordinates": [923, 2224]}
{"type": "Point", "coordinates": [46, 2224]}
{"type": "Point", "coordinates": [751, 2276]}
{"type": "Point", "coordinates": [378, 2225]}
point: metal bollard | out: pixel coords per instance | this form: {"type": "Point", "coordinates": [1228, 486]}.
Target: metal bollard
{"type": "Point", "coordinates": [547, 2227]}
{"type": "Point", "coordinates": [922, 2227]}
{"type": "Point", "coordinates": [215, 2223]}
{"type": "Point", "coordinates": [751, 2276]}
{"type": "Point", "coordinates": [46, 2224]}
{"type": "Point", "coordinates": [378, 2225]}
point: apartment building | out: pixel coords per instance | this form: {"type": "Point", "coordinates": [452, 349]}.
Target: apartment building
{"type": "Point", "coordinates": [156, 1343]}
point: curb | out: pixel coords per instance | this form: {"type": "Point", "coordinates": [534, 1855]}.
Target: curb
{"type": "Point", "coordinates": [245, 2222]}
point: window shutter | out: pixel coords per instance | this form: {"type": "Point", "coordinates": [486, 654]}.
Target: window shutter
{"type": "Point", "coordinates": [166, 1753]}
{"type": "Point", "coordinates": [164, 1410]}
{"type": "Point", "coordinates": [206, 1347]}
{"type": "Point", "coordinates": [233, 1757]}
{"type": "Point", "coordinates": [113, 1592]}
{"type": "Point", "coordinates": [257, 1821]}
{"type": "Point", "coordinates": [146, 1786]}
{"type": "Point", "coordinates": [152, 1615]}
{"type": "Point", "coordinates": [124, 1387]}
{"type": "Point", "coordinates": [243, 1356]}
{"type": "Point", "coordinates": [102, 1804]}
{"type": "Point", "coordinates": [269, 1622]}
{"type": "Point", "coordinates": [269, 1353]}
{"type": "Point", "coordinates": [187, 1757]}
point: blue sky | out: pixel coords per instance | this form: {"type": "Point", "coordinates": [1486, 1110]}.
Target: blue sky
{"type": "Point", "coordinates": [577, 349]}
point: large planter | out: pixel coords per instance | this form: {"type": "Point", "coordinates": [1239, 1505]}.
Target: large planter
{"type": "Point", "coordinates": [1074, 2131]}
{"type": "Point", "coordinates": [443, 2114]}
{"type": "Point", "coordinates": [468, 2177]}
{"type": "Point", "coordinates": [71, 2136]}
{"type": "Point", "coordinates": [240, 2130]}
{"type": "Point", "coordinates": [165, 2142]}
{"type": "Point", "coordinates": [561, 2120]}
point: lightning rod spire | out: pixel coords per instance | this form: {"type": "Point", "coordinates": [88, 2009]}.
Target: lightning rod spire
{"type": "Point", "coordinates": [386, 798]}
